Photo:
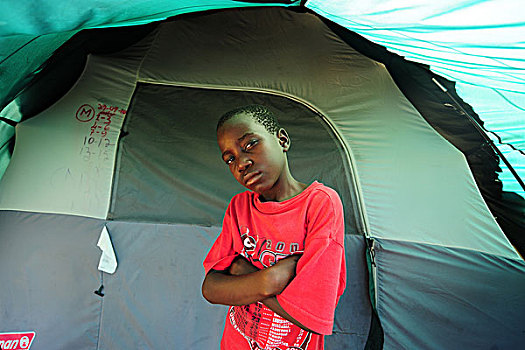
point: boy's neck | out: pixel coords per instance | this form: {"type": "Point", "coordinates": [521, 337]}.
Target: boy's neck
{"type": "Point", "coordinates": [290, 189]}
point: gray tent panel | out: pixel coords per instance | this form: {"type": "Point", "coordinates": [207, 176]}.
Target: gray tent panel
{"type": "Point", "coordinates": [353, 313]}
{"type": "Point", "coordinates": [170, 169]}
{"type": "Point", "coordinates": [153, 301]}
{"type": "Point", "coordinates": [467, 299]}
{"type": "Point", "coordinates": [48, 278]}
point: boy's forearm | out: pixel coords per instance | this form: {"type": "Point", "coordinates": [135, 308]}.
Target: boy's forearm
{"type": "Point", "coordinates": [273, 304]}
{"type": "Point", "coordinates": [240, 267]}
{"type": "Point", "coordinates": [245, 284]}
{"type": "Point", "coordinates": [220, 287]}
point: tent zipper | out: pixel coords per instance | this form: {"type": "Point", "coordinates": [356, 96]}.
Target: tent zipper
{"type": "Point", "coordinates": [371, 259]}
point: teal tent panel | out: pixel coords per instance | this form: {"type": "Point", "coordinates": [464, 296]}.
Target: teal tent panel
{"type": "Point", "coordinates": [478, 44]}
{"type": "Point", "coordinates": [479, 41]}
{"type": "Point", "coordinates": [7, 132]}
{"type": "Point", "coordinates": [21, 57]}
{"type": "Point", "coordinates": [433, 297]}
{"type": "Point", "coordinates": [508, 123]}
{"type": "Point", "coordinates": [54, 16]}
{"type": "Point", "coordinates": [503, 113]}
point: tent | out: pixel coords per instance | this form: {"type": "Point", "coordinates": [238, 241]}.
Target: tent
{"type": "Point", "coordinates": [122, 142]}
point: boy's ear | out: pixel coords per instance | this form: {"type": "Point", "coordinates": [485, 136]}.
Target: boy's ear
{"type": "Point", "coordinates": [284, 139]}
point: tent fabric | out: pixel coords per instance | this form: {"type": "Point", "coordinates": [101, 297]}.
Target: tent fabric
{"type": "Point", "coordinates": [394, 148]}
{"type": "Point", "coordinates": [53, 23]}
{"type": "Point", "coordinates": [169, 140]}
{"type": "Point", "coordinates": [416, 83]}
{"type": "Point", "coordinates": [353, 313]}
{"type": "Point", "coordinates": [49, 272]}
{"type": "Point", "coordinates": [468, 300]}
{"type": "Point", "coordinates": [360, 98]}
{"type": "Point", "coordinates": [154, 301]}
{"type": "Point", "coordinates": [458, 39]}
{"type": "Point", "coordinates": [150, 302]}
{"type": "Point", "coordinates": [79, 182]}
{"type": "Point", "coordinates": [53, 16]}
{"type": "Point", "coordinates": [478, 44]}
{"type": "Point", "coordinates": [21, 56]}
{"type": "Point", "coordinates": [407, 182]}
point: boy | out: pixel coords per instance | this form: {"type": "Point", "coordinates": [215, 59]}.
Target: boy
{"type": "Point", "coordinates": [279, 260]}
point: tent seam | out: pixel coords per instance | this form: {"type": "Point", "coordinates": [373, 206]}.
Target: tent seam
{"type": "Point", "coordinates": [146, 54]}
{"type": "Point", "coordinates": [101, 311]}
{"type": "Point", "coordinates": [518, 257]}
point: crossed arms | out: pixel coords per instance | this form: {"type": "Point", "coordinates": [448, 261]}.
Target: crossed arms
{"type": "Point", "coordinates": [244, 284]}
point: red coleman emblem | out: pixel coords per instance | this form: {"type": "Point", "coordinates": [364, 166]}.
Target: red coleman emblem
{"type": "Point", "coordinates": [16, 341]}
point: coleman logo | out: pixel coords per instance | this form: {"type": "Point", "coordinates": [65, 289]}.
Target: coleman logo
{"type": "Point", "coordinates": [16, 341]}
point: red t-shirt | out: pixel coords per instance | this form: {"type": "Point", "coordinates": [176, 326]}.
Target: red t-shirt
{"type": "Point", "coordinates": [310, 223]}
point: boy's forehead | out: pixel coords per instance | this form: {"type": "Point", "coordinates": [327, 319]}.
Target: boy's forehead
{"type": "Point", "coordinates": [242, 122]}
{"type": "Point", "coordinates": [236, 130]}
{"type": "Point", "coordinates": [242, 118]}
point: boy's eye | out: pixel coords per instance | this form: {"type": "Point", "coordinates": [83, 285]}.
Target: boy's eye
{"type": "Point", "coordinates": [229, 160]}
{"type": "Point", "coordinates": [250, 144]}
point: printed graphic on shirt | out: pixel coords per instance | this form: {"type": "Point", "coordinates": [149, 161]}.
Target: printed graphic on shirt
{"type": "Point", "coordinates": [261, 327]}
{"type": "Point", "coordinates": [249, 242]}
{"type": "Point", "coordinates": [265, 330]}
{"type": "Point", "coordinates": [263, 250]}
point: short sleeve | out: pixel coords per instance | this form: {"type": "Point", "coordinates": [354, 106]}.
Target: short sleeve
{"type": "Point", "coordinates": [313, 294]}
{"type": "Point", "coordinates": [222, 252]}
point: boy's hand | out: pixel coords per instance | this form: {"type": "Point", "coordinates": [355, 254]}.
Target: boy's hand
{"type": "Point", "coordinates": [241, 266]}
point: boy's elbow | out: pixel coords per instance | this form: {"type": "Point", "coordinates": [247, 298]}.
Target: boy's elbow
{"type": "Point", "coordinates": [210, 287]}
{"type": "Point", "coordinates": [206, 291]}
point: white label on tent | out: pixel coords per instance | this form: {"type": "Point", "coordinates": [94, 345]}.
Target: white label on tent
{"type": "Point", "coordinates": [108, 260]}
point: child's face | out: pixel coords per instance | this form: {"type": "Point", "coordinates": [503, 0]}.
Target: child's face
{"type": "Point", "coordinates": [255, 157]}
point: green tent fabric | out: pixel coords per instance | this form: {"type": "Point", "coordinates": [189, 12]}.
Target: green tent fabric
{"type": "Point", "coordinates": [478, 44]}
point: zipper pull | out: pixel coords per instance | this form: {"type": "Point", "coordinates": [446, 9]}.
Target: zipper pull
{"type": "Point", "coordinates": [371, 247]}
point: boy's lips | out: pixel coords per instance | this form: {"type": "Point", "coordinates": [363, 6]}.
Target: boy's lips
{"type": "Point", "coordinates": [252, 177]}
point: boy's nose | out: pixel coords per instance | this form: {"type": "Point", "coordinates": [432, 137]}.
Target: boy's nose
{"type": "Point", "coordinates": [244, 163]}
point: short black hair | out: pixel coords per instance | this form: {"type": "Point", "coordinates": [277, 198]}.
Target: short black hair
{"type": "Point", "coordinates": [261, 114]}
